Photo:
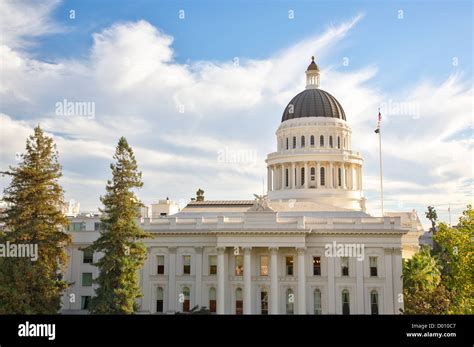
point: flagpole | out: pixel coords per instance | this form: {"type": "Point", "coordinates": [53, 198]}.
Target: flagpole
{"type": "Point", "coordinates": [381, 173]}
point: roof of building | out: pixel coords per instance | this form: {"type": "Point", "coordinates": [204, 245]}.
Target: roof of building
{"type": "Point", "coordinates": [215, 203]}
{"type": "Point", "coordinates": [313, 65]}
{"type": "Point", "coordinates": [313, 103]}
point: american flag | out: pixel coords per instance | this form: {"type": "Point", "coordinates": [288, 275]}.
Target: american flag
{"type": "Point", "coordinates": [378, 123]}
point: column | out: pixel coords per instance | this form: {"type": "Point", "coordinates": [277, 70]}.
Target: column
{"type": "Point", "coordinates": [220, 280]}
{"type": "Point", "coordinates": [269, 179]}
{"type": "Point", "coordinates": [331, 286]}
{"type": "Point", "coordinates": [301, 281]}
{"type": "Point", "coordinates": [306, 175]}
{"type": "Point", "coordinates": [331, 175]}
{"type": "Point", "coordinates": [198, 271]}
{"type": "Point", "coordinates": [247, 281]}
{"type": "Point", "coordinates": [283, 181]}
{"type": "Point", "coordinates": [343, 174]}
{"type": "Point", "coordinates": [360, 286]}
{"type": "Point", "coordinates": [318, 174]}
{"type": "Point", "coordinates": [274, 280]}
{"type": "Point", "coordinates": [388, 292]}
{"type": "Point", "coordinates": [397, 280]}
{"type": "Point", "coordinates": [292, 176]}
{"type": "Point", "coordinates": [172, 298]}
{"type": "Point", "coordinates": [360, 178]}
{"type": "Point", "coordinates": [351, 177]}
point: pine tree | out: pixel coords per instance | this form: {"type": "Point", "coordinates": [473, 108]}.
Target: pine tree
{"type": "Point", "coordinates": [119, 241]}
{"type": "Point", "coordinates": [34, 216]}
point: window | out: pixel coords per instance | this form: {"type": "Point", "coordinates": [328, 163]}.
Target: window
{"type": "Point", "coordinates": [302, 176]}
{"type": "Point", "coordinates": [316, 266]}
{"type": "Point", "coordinates": [338, 142]}
{"type": "Point", "coordinates": [264, 302]}
{"type": "Point", "coordinates": [290, 299]}
{"type": "Point", "coordinates": [87, 256]}
{"type": "Point", "coordinates": [87, 279]}
{"type": "Point", "coordinates": [294, 141]}
{"type": "Point", "coordinates": [311, 140]}
{"type": "Point", "coordinates": [289, 266]}
{"type": "Point", "coordinates": [77, 226]}
{"type": "Point", "coordinates": [186, 265]}
{"type": "Point", "coordinates": [239, 265]}
{"type": "Point", "coordinates": [323, 178]}
{"type": "Point", "coordinates": [374, 302]}
{"type": "Point", "coordinates": [186, 295]}
{"type": "Point", "coordinates": [287, 143]}
{"type": "Point", "coordinates": [85, 301]}
{"type": "Point", "coordinates": [321, 141]}
{"type": "Point", "coordinates": [286, 178]}
{"type": "Point", "coordinates": [97, 226]}
{"type": "Point", "coordinates": [212, 300]}
{"type": "Point", "coordinates": [330, 141]}
{"type": "Point", "coordinates": [373, 266]}
{"type": "Point", "coordinates": [159, 299]}
{"type": "Point", "coordinates": [313, 174]}
{"type": "Point", "coordinates": [239, 301]}
{"type": "Point", "coordinates": [339, 177]}
{"type": "Point", "coordinates": [317, 302]}
{"type": "Point", "coordinates": [264, 265]}
{"type": "Point", "coordinates": [345, 302]}
{"type": "Point", "coordinates": [345, 266]}
{"type": "Point", "coordinates": [160, 264]}
{"type": "Point", "coordinates": [302, 141]}
{"type": "Point", "coordinates": [212, 265]}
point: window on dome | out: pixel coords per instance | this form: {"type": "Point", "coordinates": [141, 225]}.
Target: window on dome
{"type": "Point", "coordinates": [287, 144]}
{"type": "Point", "coordinates": [286, 178]}
{"type": "Point", "coordinates": [321, 141]}
{"type": "Point", "coordinates": [302, 176]}
{"type": "Point", "coordinates": [294, 141]}
{"type": "Point", "coordinates": [323, 178]}
{"type": "Point", "coordinates": [330, 141]}
{"type": "Point", "coordinates": [345, 302]}
{"type": "Point", "coordinates": [339, 142]}
{"type": "Point", "coordinates": [339, 177]}
{"type": "Point", "coordinates": [311, 140]}
{"type": "Point", "coordinates": [302, 141]}
{"type": "Point", "coordinates": [313, 174]}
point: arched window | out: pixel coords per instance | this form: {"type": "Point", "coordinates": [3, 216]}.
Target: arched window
{"type": "Point", "coordinates": [345, 302]}
{"type": "Point", "coordinates": [374, 302]}
{"type": "Point", "coordinates": [330, 141]}
{"type": "Point", "coordinates": [302, 176]}
{"type": "Point", "coordinates": [264, 301]}
{"type": "Point", "coordinates": [311, 140]}
{"type": "Point", "coordinates": [159, 299]}
{"type": "Point", "coordinates": [339, 177]}
{"type": "Point", "coordinates": [302, 141]}
{"type": "Point", "coordinates": [239, 301]}
{"type": "Point", "coordinates": [321, 141]}
{"type": "Point", "coordinates": [294, 141]}
{"type": "Point", "coordinates": [287, 143]}
{"type": "Point", "coordinates": [290, 301]}
{"type": "Point", "coordinates": [212, 300]}
{"type": "Point", "coordinates": [323, 178]}
{"type": "Point", "coordinates": [313, 174]}
{"type": "Point", "coordinates": [317, 302]}
{"type": "Point", "coordinates": [186, 295]}
{"type": "Point", "coordinates": [339, 142]}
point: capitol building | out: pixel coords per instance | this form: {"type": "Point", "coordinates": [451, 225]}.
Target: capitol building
{"type": "Point", "coordinates": [308, 247]}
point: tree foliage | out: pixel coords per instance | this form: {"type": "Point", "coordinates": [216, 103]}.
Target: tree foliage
{"type": "Point", "coordinates": [34, 216]}
{"type": "Point", "coordinates": [119, 241]}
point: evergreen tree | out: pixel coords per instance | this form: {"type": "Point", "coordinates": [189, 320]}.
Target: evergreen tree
{"type": "Point", "coordinates": [119, 241]}
{"type": "Point", "coordinates": [34, 216]}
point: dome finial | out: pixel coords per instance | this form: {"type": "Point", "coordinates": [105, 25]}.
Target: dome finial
{"type": "Point", "coordinates": [312, 58]}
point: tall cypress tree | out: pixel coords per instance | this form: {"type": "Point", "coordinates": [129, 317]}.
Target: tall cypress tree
{"type": "Point", "coordinates": [34, 216]}
{"type": "Point", "coordinates": [119, 241]}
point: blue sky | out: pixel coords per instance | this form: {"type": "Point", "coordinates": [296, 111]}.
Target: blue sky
{"type": "Point", "coordinates": [138, 62]}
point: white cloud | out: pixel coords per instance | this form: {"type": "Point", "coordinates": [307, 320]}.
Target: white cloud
{"type": "Point", "coordinates": [138, 87]}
